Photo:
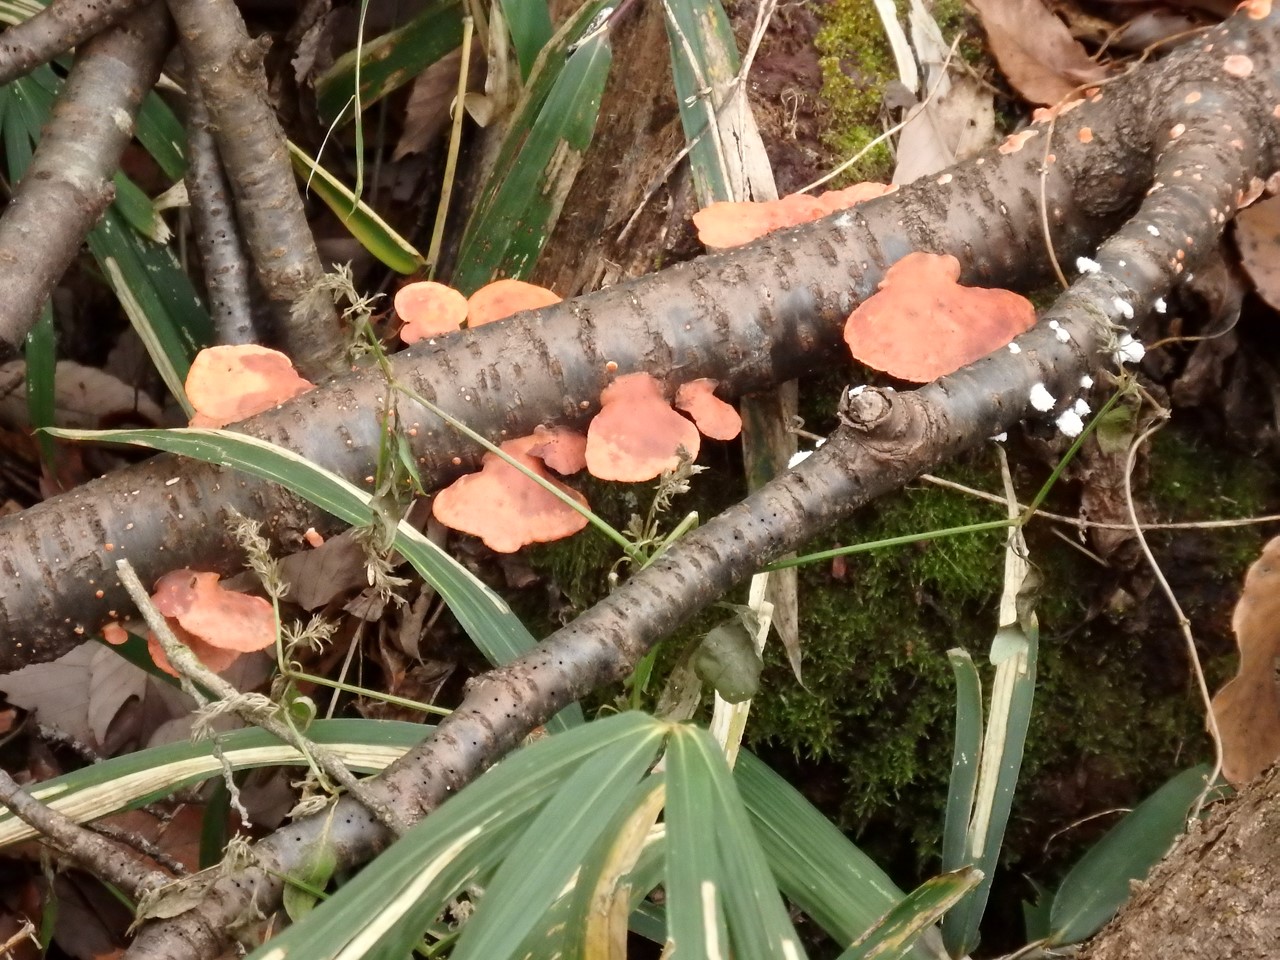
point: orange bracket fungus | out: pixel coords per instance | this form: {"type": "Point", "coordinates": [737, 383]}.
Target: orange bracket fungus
{"type": "Point", "coordinates": [229, 383]}
{"type": "Point", "coordinates": [429, 309]}
{"type": "Point", "coordinates": [561, 449]}
{"type": "Point", "coordinates": [506, 509]}
{"type": "Point", "coordinates": [922, 324]}
{"type": "Point", "coordinates": [731, 223]}
{"type": "Point", "coordinates": [714, 417]}
{"type": "Point", "coordinates": [637, 435]}
{"type": "Point", "coordinates": [502, 298]}
{"type": "Point", "coordinates": [216, 623]}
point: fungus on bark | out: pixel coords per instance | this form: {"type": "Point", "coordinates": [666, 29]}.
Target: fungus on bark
{"type": "Point", "coordinates": [502, 298]}
{"type": "Point", "coordinates": [429, 309]}
{"type": "Point", "coordinates": [216, 623]}
{"type": "Point", "coordinates": [714, 417]}
{"type": "Point", "coordinates": [231, 382]}
{"type": "Point", "coordinates": [637, 435]}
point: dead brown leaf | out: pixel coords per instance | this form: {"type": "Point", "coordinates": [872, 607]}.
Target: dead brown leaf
{"type": "Point", "coordinates": [1035, 50]}
{"type": "Point", "coordinates": [1257, 236]}
{"type": "Point", "coordinates": [1247, 708]}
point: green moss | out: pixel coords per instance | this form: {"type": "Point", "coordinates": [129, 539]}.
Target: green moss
{"type": "Point", "coordinates": [856, 63]}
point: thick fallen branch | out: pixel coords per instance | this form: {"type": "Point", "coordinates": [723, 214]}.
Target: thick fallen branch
{"type": "Point", "coordinates": [886, 439]}
{"type": "Point", "coordinates": [69, 182]}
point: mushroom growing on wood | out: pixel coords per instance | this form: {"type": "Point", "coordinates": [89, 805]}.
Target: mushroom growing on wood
{"type": "Point", "coordinates": [637, 435]}
{"type": "Point", "coordinates": [429, 309]}
{"type": "Point", "coordinates": [230, 383]}
{"type": "Point", "coordinates": [714, 418]}
{"type": "Point", "coordinates": [216, 623]}
{"type": "Point", "coordinates": [502, 298]}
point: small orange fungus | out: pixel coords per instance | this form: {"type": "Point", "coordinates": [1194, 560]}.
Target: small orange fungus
{"type": "Point", "coordinates": [506, 509]}
{"type": "Point", "coordinates": [502, 298]}
{"type": "Point", "coordinates": [561, 449]}
{"type": "Point", "coordinates": [229, 383]}
{"type": "Point", "coordinates": [921, 324]}
{"type": "Point", "coordinates": [218, 624]}
{"type": "Point", "coordinates": [429, 309]}
{"type": "Point", "coordinates": [715, 418]}
{"type": "Point", "coordinates": [730, 224]}
{"type": "Point", "coordinates": [637, 435]}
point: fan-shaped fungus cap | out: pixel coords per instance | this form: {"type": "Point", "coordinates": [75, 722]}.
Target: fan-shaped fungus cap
{"type": "Point", "coordinates": [730, 224]}
{"type": "Point", "coordinates": [561, 449]}
{"type": "Point", "coordinates": [714, 417]}
{"type": "Point", "coordinates": [922, 324]}
{"type": "Point", "coordinates": [502, 298]}
{"type": "Point", "coordinates": [636, 435]}
{"type": "Point", "coordinates": [229, 383]}
{"type": "Point", "coordinates": [506, 509]}
{"type": "Point", "coordinates": [217, 623]}
{"type": "Point", "coordinates": [429, 309]}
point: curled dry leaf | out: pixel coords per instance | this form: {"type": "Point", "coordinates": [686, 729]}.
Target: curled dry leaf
{"type": "Point", "coordinates": [561, 449]}
{"type": "Point", "coordinates": [1247, 708]}
{"type": "Point", "coordinates": [429, 309]}
{"type": "Point", "coordinates": [1035, 50]}
{"type": "Point", "coordinates": [921, 324]}
{"type": "Point", "coordinates": [731, 223]}
{"type": "Point", "coordinates": [218, 624]}
{"type": "Point", "coordinates": [229, 383]}
{"type": "Point", "coordinates": [714, 418]}
{"type": "Point", "coordinates": [637, 435]}
{"type": "Point", "coordinates": [506, 509]}
{"type": "Point", "coordinates": [502, 298]}
{"type": "Point", "coordinates": [1257, 233]}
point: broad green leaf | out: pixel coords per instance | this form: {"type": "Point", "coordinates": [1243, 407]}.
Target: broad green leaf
{"type": "Point", "coordinates": [374, 233]}
{"type": "Point", "coordinates": [138, 210]}
{"type": "Point", "coordinates": [727, 660]}
{"type": "Point", "coordinates": [314, 874]}
{"type": "Point", "coordinates": [391, 60]}
{"type": "Point", "coordinates": [964, 760]}
{"type": "Point", "coordinates": [485, 616]}
{"type": "Point", "coordinates": [1099, 884]}
{"type": "Point", "coordinates": [129, 781]}
{"type": "Point", "coordinates": [540, 156]}
{"type": "Point", "coordinates": [530, 25]}
{"type": "Point", "coordinates": [382, 912]}
{"type": "Point", "coordinates": [720, 891]}
{"type": "Point", "coordinates": [813, 863]}
{"type": "Point", "coordinates": [550, 853]}
{"type": "Point", "coordinates": [893, 937]}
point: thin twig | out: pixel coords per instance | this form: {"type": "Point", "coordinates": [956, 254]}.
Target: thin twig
{"type": "Point", "coordinates": [94, 852]}
{"type": "Point", "coordinates": [193, 672]}
{"type": "Point", "coordinates": [58, 28]}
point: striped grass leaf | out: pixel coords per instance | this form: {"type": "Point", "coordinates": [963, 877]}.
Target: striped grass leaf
{"type": "Point", "coordinates": [374, 233]}
{"type": "Point", "coordinates": [382, 913]}
{"type": "Point", "coordinates": [540, 157]}
{"type": "Point", "coordinates": [388, 62]}
{"type": "Point", "coordinates": [135, 779]}
{"type": "Point", "coordinates": [721, 897]}
{"type": "Point", "coordinates": [490, 623]}
{"type": "Point", "coordinates": [964, 760]}
{"type": "Point", "coordinates": [893, 936]}
{"type": "Point", "coordinates": [530, 24]}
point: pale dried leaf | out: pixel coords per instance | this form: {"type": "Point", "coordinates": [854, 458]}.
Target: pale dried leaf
{"type": "Point", "coordinates": [80, 693]}
{"type": "Point", "coordinates": [83, 397]}
{"type": "Point", "coordinates": [1258, 237]}
{"type": "Point", "coordinates": [1035, 50]}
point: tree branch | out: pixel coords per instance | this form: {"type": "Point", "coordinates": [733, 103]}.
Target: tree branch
{"type": "Point", "coordinates": [70, 181]}
{"type": "Point", "coordinates": [57, 28]}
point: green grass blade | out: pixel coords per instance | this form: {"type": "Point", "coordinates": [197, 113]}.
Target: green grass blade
{"type": "Point", "coordinates": [138, 211]}
{"type": "Point", "coordinates": [1099, 884]}
{"type": "Point", "coordinates": [551, 852]}
{"type": "Point", "coordinates": [718, 878]}
{"type": "Point", "coordinates": [964, 760]}
{"type": "Point", "coordinates": [704, 58]}
{"type": "Point", "coordinates": [161, 133]}
{"type": "Point", "coordinates": [893, 937]}
{"type": "Point", "coordinates": [813, 863]}
{"type": "Point", "coordinates": [485, 616]}
{"type": "Point", "coordinates": [540, 157]}
{"type": "Point", "coordinates": [374, 233]}
{"type": "Point", "coordinates": [382, 912]}
{"type": "Point", "coordinates": [391, 60]}
{"type": "Point", "coordinates": [129, 781]}
{"type": "Point", "coordinates": [530, 24]}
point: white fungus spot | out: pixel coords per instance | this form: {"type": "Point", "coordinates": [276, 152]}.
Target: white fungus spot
{"type": "Point", "coordinates": [1153, 229]}
{"type": "Point", "coordinates": [1081, 407]}
{"type": "Point", "coordinates": [1160, 305]}
{"type": "Point", "coordinates": [1014, 348]}
{"type": "Point", "coordinates": [1000, 437]}
{"type": "Point", "coordinates": [1085, 265]}
{"type": "Point", "coordinates": [1069, 423]}
{"type": "Point", "coordinates": [1125, 308]}
{"type": "Point", "coordinates": [1128, 350]}
{"type": "Point", "coordinates": [1041, 398]}
{"type": "Point", "coordinates": [856, 391]}
{"type": "Point", "coordinates": [1086, 382]}
{"type": "Point", "coordinates": [844, 220]}
{"type": "Point", "coordinates": [799, 457]}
